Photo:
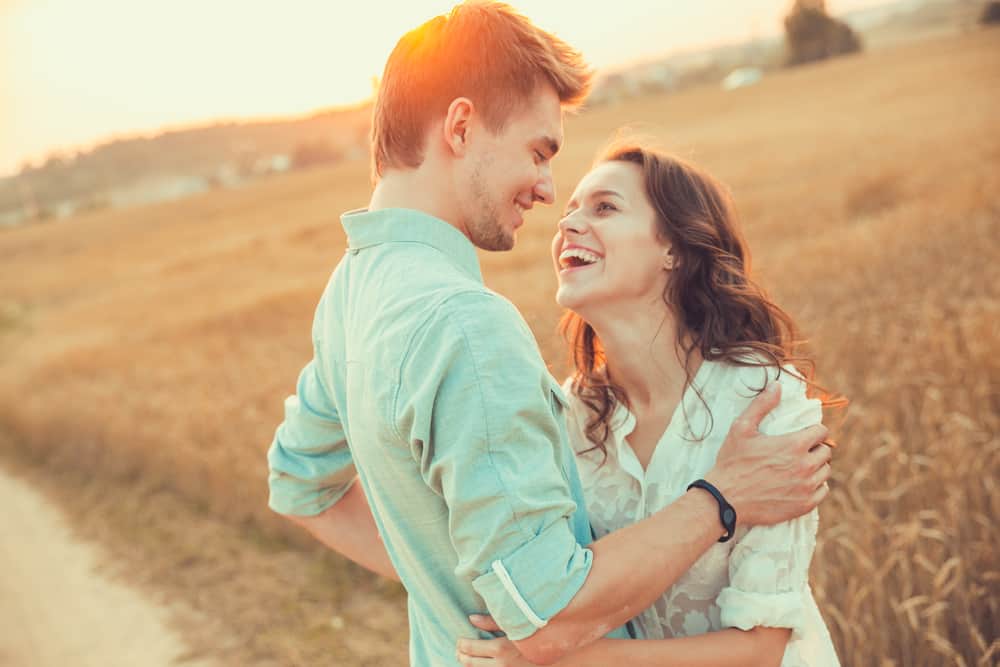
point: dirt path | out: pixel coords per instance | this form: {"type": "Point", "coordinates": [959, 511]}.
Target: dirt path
{"type": "Point", "coordinates": [55, 609]}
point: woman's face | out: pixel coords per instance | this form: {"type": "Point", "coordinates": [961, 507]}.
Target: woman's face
{"type": "Point", "coordinates": [606, 250]}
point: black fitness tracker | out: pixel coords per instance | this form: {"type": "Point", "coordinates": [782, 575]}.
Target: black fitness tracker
{"type": "Point", "coordinates": [727, 515]}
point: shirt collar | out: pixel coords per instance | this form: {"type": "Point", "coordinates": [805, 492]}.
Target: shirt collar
{"type": "Point", "coordinates": [366, 228]}
{"type": "Point", "coordinates": [623, 422]}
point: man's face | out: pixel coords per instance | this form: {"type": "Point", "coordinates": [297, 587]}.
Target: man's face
{"type": "Point", "coordinates": [511, 170]}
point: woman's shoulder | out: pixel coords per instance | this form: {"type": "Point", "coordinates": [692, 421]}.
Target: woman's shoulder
{"type": "Point", "coordinates": [734, 385]}
{"type": "Point", "coordinates": [739, 383]}
{"type": "Point", "coordinates": [751, 372]}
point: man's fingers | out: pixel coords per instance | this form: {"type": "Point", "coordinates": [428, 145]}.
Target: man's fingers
{"type": "Point", "coordinates": [484, 622]}
{"type": "Point", "coordinates": [818, 457]}
{"type": "Point", "coordinates": [826, 447]}
{"type": "Point", "coordinates": [820, 494]}
{"type": "Point", "coordinates": [811, 436]}
{"type": "Point", "coordinates": [821, 476]}
{"type": "Point", "coordinates": [749, 420]}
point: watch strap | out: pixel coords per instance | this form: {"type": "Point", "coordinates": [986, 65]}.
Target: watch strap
{"type": "Point", "coordinates": [727, 514]}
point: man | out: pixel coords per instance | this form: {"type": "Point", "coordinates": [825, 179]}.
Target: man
{"type": "Point", "coordinates": [430, 388]}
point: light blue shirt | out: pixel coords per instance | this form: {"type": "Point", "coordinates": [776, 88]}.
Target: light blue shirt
{"type": "Point", "coordinates": [431, 389]}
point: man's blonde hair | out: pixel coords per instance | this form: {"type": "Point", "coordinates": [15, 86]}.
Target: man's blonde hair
{"type": "Point", "coordinates": [481, 50]}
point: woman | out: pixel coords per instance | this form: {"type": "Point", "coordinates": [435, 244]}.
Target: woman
{"type": "Point", "coordinates": [671, 339]}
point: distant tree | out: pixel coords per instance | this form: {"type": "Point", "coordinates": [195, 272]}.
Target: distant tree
{"type": "Point", "coordinates": [55, 161]}
{"type": "Point", "coordinates": [811, 34]}
{"type": "Point", "coordinates": [991, 13]}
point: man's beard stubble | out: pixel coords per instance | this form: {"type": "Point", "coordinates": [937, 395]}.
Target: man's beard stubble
{"type": "Point", "coordinates": [485, 230]}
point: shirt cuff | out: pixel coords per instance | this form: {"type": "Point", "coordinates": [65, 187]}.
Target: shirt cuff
{"type": "Point", "coordinates": [523, 590]}
{"type": "Point", "coordinates": [745, 610]}
{"type": "Point", "coordinates": [291, 496]}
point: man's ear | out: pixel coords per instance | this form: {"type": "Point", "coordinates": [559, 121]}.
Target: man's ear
{"type": "Point", "coordinates": [458, 124]}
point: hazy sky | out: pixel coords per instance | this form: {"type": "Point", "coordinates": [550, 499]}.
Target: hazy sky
{"type": "Point", "coordinates": [76, 72]}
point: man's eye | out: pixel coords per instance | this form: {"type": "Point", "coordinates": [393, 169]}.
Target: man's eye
{"type": "Point", "coordinates": [539, 156]}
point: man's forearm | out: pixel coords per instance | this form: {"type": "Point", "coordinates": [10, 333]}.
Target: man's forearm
{"type": "Point", "coordinates": [632, 568]}
{"type": "Point", "coordinates": [348, 528]}
{"type": "Point", "coordinates": [768, 479]}
{"type": "Point", "coordinates": [760, 647]}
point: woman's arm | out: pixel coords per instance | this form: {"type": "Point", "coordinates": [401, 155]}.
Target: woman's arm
{"type": "Point", "coordinates": [348, 528]}
{"type": "Point", "coordinates": [759, 647]}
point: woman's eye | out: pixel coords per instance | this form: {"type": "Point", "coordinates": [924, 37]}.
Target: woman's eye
{"type": "Point", "coordinates": [604, 207]}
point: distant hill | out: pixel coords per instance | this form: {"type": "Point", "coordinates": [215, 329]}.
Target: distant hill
{"type": "Point", "coordinates": [180, 162]}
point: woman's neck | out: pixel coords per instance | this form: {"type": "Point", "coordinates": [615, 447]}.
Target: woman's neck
{"type": "Point", "coordinates": [643, 356]}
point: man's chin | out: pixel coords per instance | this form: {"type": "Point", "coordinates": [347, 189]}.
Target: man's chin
{"type": "Point", "coordinates": [497, 243]}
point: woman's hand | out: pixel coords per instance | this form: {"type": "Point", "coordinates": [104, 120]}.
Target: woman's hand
{"type": "Point", "coordinates": [498, 652]}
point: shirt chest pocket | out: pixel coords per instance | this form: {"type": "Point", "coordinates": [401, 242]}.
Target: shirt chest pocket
{"type": "Point", "coordinates": [557, 400]}
{"type": "Point", "coordinates": [559, 405]}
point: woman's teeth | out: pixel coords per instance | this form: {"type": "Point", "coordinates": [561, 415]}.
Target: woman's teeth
{"type": "Point", "coordinates": [572, 257]}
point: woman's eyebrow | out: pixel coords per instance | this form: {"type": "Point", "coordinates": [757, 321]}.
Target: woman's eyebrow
{"type": "Point", "coordinates": [602, 193]}
{"type": "Point", "coordinates": [571, 205]}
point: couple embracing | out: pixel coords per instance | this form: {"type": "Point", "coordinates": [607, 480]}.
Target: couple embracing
{"type": "Point", "coordinates": [659, 506]}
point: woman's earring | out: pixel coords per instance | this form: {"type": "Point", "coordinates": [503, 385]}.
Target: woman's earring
{"type": "Point", "coordinates": [668, 260]}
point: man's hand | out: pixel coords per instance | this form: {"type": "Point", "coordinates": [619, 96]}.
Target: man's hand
{"type": "Point", "coordinates": [770, 479]}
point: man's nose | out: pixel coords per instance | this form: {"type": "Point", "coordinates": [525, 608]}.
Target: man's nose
{"type": "Point", "coordinates": [545, 187]}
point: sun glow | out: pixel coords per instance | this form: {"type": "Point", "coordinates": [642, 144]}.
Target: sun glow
{"type": "Point", "coordinates": [74, 73]}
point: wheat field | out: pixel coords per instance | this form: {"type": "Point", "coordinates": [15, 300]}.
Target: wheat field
{"type": "Point", "coordinates": [145, 354]}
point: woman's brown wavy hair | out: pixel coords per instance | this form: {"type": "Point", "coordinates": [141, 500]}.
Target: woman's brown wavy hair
{"type": "Point", "coordinates": [720, 311]}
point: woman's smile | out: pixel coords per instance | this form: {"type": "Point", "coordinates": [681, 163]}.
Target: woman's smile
{"type": "Point", "coordinates": [574, 257]}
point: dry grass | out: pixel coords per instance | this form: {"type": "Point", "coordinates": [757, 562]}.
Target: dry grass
{"type": "Point", "coordinates": [145, 354]}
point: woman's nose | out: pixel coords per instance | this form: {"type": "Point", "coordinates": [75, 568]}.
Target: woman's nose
{"type": "Point", "coordinates": [573, 222]}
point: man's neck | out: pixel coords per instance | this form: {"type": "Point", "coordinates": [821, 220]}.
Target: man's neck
{"type": "Point", "coordinates": [415, 189]}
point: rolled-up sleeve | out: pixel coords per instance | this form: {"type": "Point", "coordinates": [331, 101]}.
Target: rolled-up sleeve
{"type": "Point", "coordinates": [528, 586]}
{"type": "Point", "coordinates": [769, 566]}
{"type": "Point", "coordinates": [768, 576]}
{"type": "Point", "coordinates": [310, 464]}
{"type": "Point", "coordinates": [483, 419]}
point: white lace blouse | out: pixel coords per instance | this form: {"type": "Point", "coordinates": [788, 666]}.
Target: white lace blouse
{"type": "Point", "coordinates": [760, 577]}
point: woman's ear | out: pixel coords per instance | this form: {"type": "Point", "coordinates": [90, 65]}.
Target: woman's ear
{"type": "Point", "coordinates": [669, 261]}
